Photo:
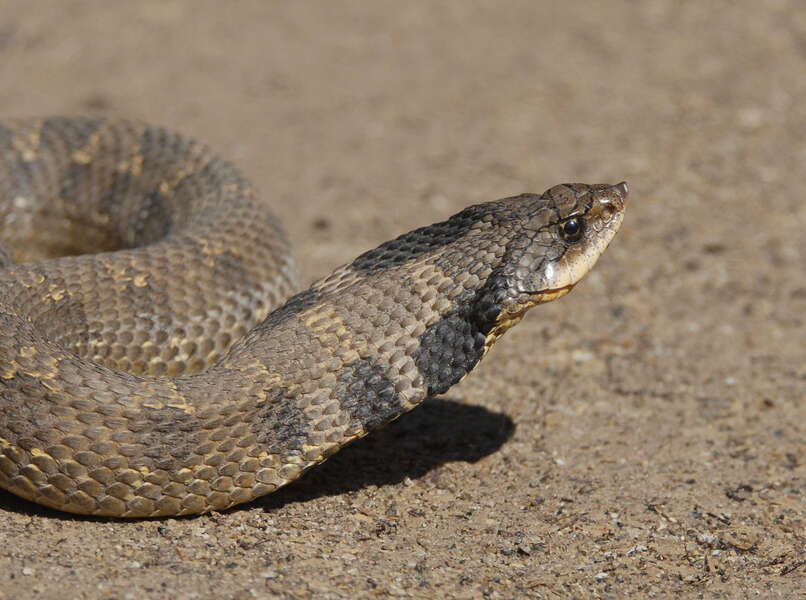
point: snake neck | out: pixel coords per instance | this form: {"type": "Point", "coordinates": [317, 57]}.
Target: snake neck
{"type": "Point", "coordinates": [354, 352]}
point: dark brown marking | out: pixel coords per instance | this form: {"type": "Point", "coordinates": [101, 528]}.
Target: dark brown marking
{"type": "Point", "coordinates": [280, 427]}
{"type": "Point", "coordinates": [418, 242]}
{"type": "Point", "coordinates": [367, 394]}
{"type": "Point", "coordinates": [295, 305]}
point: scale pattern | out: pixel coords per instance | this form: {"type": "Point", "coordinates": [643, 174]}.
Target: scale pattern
{"type": "Point", "coordinates": [142, 370]}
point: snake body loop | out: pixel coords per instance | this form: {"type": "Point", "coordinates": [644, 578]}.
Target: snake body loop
{"type": "Point", "coordinates": [147, 364]}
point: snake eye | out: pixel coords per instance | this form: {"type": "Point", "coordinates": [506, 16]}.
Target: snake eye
{"type": "Point", "coordinates": [572, 229]}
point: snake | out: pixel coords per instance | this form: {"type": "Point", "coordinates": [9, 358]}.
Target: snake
{"type": "Point", "coordinates": [156, 358]}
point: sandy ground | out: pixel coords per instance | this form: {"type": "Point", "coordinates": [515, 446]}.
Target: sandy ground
{"type": "Point", "coordinates": [643, 437]}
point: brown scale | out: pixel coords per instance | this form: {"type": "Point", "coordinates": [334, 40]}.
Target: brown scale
{"type": "Point", "coordinates": [141, 373]}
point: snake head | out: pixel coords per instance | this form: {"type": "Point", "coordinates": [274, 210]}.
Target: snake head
{"type": "Point", "coordinates": [564, 232]}
{"type": "Point", "coordinates": [572, 229]}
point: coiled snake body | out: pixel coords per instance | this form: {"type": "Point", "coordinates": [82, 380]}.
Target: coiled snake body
{"type": "Point", "coordinates": [143, 372]}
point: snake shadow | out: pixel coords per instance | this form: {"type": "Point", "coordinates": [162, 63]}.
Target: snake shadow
{"type": "Point", "coordinates": [439, 431]}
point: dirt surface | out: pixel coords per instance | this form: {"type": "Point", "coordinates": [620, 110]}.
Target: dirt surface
{"type": "Point", "coordinates": [643, 437]}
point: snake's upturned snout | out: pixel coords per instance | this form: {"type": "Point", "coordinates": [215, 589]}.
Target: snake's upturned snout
{"type": "Point", "coordinates": [623, 189]}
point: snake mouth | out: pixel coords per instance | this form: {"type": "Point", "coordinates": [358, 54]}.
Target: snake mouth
{"type": "Point", "coordinates": [557, 290]}
{"type": "Point", "coordinates": [547, 294]}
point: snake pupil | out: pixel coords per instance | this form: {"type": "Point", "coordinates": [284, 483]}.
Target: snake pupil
{"type": "Point", "coordinates": [572, 229]}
